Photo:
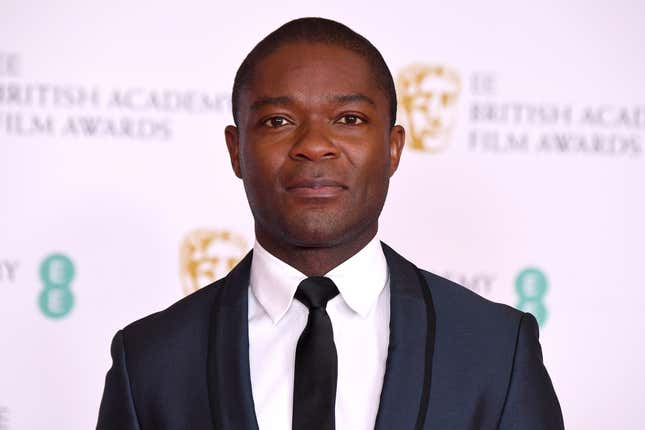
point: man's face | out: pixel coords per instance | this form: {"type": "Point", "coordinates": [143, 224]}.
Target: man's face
{"type": "Point", "coordinates": [314, 146]}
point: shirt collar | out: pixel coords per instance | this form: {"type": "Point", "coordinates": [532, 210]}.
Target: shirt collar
{"type": "Point", "coordinates": [360, 279]}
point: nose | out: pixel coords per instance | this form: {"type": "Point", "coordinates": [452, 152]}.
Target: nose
{"type": "Point", "coordinates": [313, 144]}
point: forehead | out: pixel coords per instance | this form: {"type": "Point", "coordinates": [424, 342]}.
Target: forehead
{"type": "Point", "coordinates": [307, 71]}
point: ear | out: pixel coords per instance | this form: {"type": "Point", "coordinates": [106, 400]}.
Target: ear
{"type": "Point", "coordinates": [233, 144]}
{"type": "Point", "coordinates": [397, 140]}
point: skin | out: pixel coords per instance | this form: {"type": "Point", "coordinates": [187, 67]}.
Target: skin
{"type": "Point", "coordinates": [315, 150]}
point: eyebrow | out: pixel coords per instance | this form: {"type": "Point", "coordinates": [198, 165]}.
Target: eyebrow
{"type": "Point", "coordinates": [286, 100]}
{"type": "Point", "coordinates": [269, 101]}
{"type": "Point", "coordinates": [355, 97]}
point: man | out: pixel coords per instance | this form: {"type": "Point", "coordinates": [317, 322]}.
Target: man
{"type": "Point", "coordinates": [321, 326]}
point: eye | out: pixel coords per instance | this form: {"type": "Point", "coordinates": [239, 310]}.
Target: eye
{"type": "Point", "coordinates": [350, 120]}
{"type": "Point", "coordinates": [276, 122]}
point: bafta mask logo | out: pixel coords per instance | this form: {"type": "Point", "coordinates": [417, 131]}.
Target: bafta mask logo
{"type": "Point", "coordinates": [208, 255]}
{"type": "Point", "coordinates": [428, 96]}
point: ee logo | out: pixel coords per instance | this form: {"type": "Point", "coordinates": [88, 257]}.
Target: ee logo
{"type": "Point", "coordinates": [531, 286]}
{"type": "Point", "coordinates": [56, 273]}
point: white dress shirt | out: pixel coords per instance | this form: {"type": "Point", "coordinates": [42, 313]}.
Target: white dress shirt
{"type": "Point", "coordinates": [360, 317]}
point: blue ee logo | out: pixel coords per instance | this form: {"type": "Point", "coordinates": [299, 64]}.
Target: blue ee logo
{"type": "Point", "coordinates": [56, 273]}
{"type": "Point", "coordinates": [531, 286]}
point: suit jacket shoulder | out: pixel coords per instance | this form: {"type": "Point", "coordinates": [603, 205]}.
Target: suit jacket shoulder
{"type": "Point", "coordinates": [185, 319]}
{"type": "Point", "coordinates": [164, 359]}
{"type": "Point", "coordinates": [491, 352]}
{"type": "Point", "coordinates": [470, 313]}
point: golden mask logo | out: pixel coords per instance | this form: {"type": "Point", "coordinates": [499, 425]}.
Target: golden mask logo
{"type": "Point", "coordinates": [208, 255]}
{"type": "Point", "coordinates": [428, 96]}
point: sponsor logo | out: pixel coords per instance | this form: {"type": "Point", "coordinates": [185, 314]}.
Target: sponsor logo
{"type": "Point", "coordinates": [481, 283]}
{"type": "Point", "coordinates": [56, 273]}
{"type": "Point", "coordinates": [206, 255]}
{"type": "Point", "coordinates": [531, 286]}
{"type": "Point", "coordinates": [428, 96]}
{"type": "Point", "coordinates": [8, 270]}
{"type": "Point", "coordinates": [9, 64]}
{"type": "Point", "coordinates": [4, 418]}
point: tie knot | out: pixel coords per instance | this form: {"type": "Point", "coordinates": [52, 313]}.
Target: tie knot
{"type": "Point", "coordinates": [316, 291]}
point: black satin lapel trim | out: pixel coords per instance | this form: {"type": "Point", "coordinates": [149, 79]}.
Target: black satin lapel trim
{"type": "Point", "coordinates": [430, 336]}
{"type": "Point", "coordinates": [229, 380]}
{"type": "Point", "coordinates": [407, 382]}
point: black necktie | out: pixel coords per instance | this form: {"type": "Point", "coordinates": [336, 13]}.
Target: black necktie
{"type": "Point", "coordinates": [314, 388]}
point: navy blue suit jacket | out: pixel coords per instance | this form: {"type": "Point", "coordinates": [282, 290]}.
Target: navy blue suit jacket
{"type": "Point", "coordinates": [455, 361]}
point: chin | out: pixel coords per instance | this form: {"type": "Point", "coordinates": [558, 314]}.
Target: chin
{"type": "Point", "coordinates": [314, 236]}
{"type": "Point", "coordinates": [316, 229]}
{"type": "Point", "coordinates": [325, 231]}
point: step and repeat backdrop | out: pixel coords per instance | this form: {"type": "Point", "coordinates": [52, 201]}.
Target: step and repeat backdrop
{"type": "Point", "coordinates": [523, 178]}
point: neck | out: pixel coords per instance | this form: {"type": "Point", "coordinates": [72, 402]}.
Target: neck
{"type": "Point", "coordinates": [315, 260]}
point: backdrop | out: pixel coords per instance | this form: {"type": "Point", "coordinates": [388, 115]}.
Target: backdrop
{"type": "Point", "coordinates": [526, 135]}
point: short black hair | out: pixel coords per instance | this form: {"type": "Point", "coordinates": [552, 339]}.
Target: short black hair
{"type": "Point", "coordinates": [316, 30]}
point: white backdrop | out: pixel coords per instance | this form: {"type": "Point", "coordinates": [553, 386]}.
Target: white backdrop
{"type": "Point", "coordinates": [116, 194]}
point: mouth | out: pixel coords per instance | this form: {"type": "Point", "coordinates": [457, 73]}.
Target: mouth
{"type": "Point", "coordinates": [316, 188]}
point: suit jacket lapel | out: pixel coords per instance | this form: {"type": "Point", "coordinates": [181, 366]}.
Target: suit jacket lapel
{"type": "Point", "coordinates": [408, 373]}
{"type": "Point", "coordinates": [229, 381]}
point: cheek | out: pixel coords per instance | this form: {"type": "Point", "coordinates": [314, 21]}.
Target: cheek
{"type": "Point", "coordinates": [371, 167]}
{"type": "Point", "coordinates": [261, 167]}
{"type": "Point", "coordinates": [257, 164]}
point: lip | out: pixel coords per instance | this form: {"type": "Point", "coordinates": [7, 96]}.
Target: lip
{"type": "Point", "coordinates": [316, 188]}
